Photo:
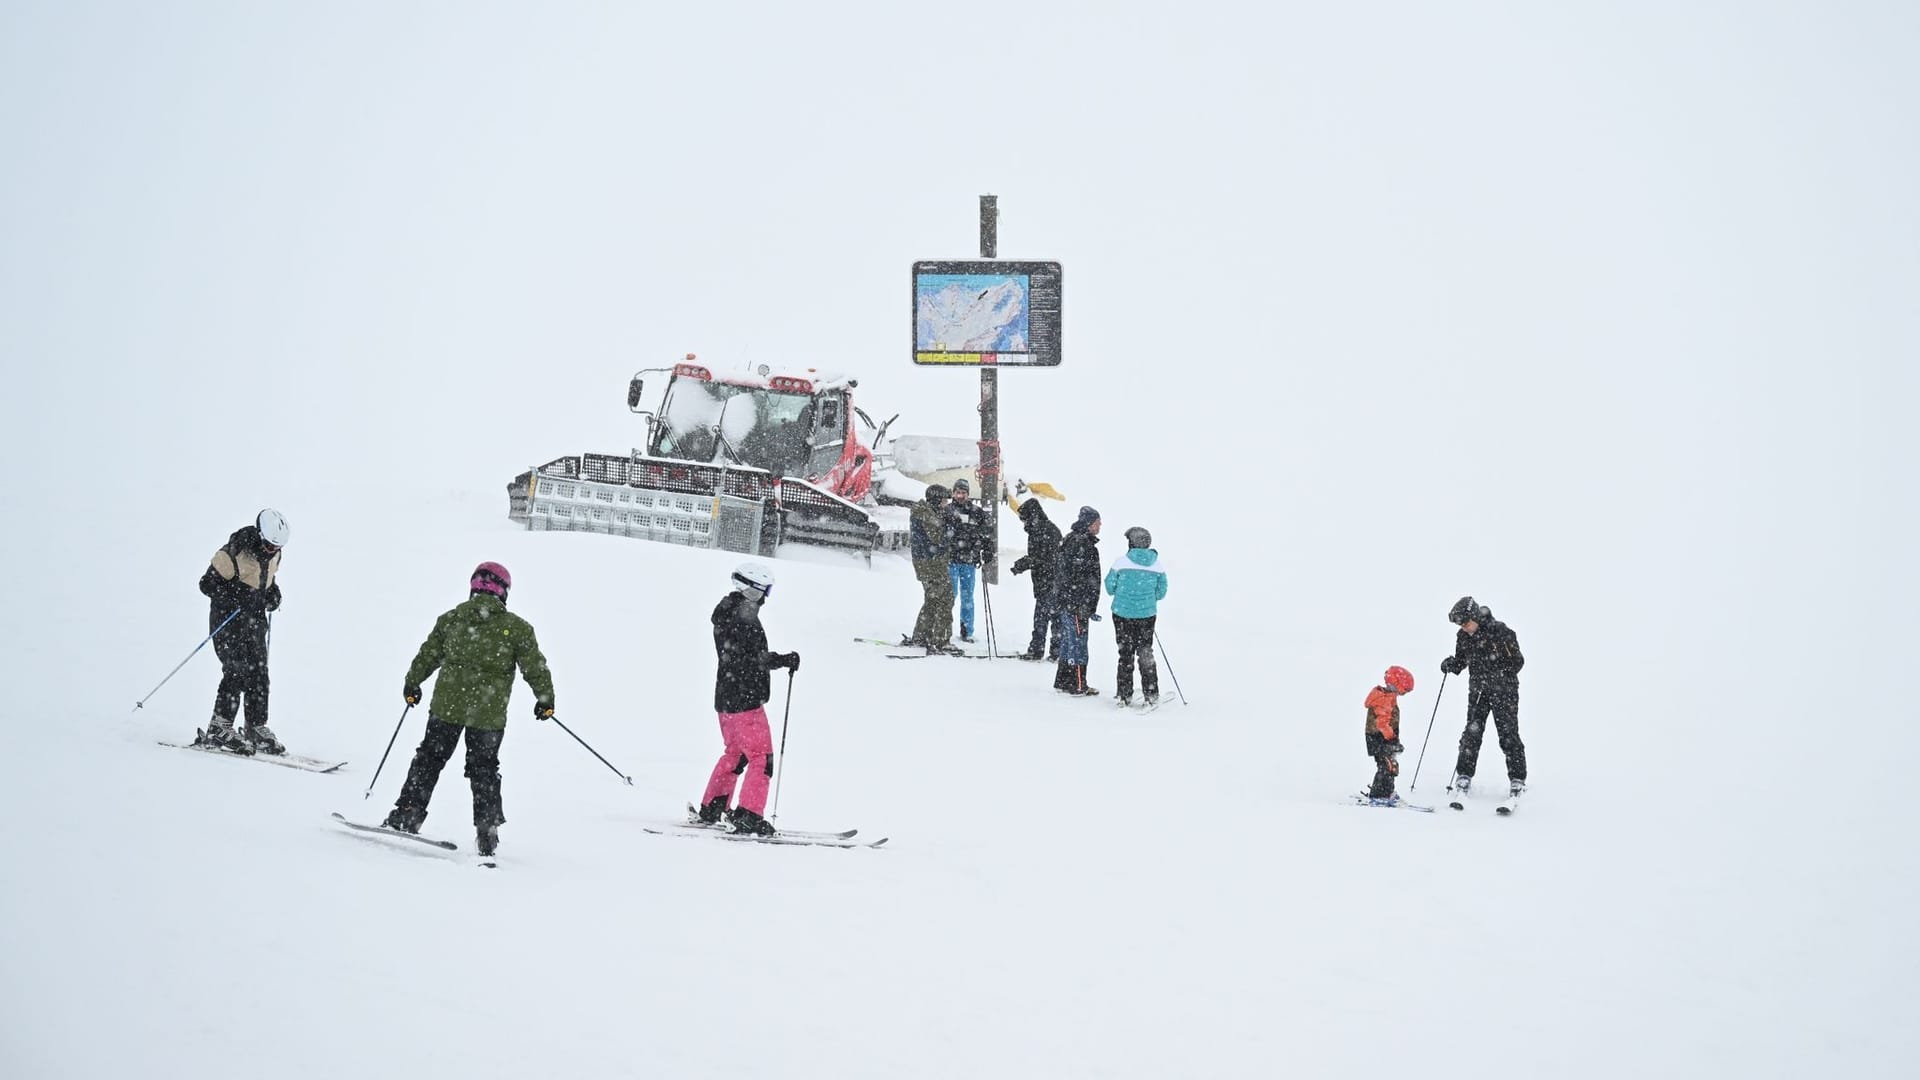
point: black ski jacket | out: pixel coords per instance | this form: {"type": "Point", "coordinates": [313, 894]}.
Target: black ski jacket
{"type": "Point", "coordinates": [966, 533]}
{"type": "Point", "coordinates": [1077, 582]}
{"type": "Point", "coordinates": [1491, 653]}
{"type": "Point", "coordinates": [1043, 547]}
{"type": "Point", "coordinates": [241, 575]}
{"type": "Point", "coordinates": [741, 681]}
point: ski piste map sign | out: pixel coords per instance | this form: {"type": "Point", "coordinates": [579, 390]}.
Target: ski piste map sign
{"type": "Point", "coordinates": [986, 312]}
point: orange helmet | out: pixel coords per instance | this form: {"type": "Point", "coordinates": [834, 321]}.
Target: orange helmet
{"type": "Point", "coordinates": [1399, 680]}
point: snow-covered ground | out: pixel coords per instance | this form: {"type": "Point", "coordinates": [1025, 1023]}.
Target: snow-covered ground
{"type": "Point", "coordinates": [1605, 318]}
{"type": "Point", "coordinates": [1069, 890]}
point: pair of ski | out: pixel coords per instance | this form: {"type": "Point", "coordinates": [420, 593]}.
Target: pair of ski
{"type": "Point", "coordinates": [1458, 802]}
{"type": "Point", "coordinates": [1505, 808]}
{"type": "Point", "coordinates": [693, 826]}
{"type": "Point", "coordinates": [488, 861]}
{"type": "Point", "coordinates": [919, 651]}
{"type": "Point", "coordinates": [285, 761]}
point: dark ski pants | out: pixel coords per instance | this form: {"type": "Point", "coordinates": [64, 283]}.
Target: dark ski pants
{"type": "Point", "coordinates": [1386, 765]}
{"type": "Point", "coordinates": [1502, 699]}
{"type": "Point", "coordinates": [483, 771]}
{"type": "Point", "coordinates": [935, 624]}
{"type": "Point", "coordinates": [242, 650]}
{"type": "Point", "coordinates": [1044, 624]}
{"type": "Point", "coordinates": [1135, 638]}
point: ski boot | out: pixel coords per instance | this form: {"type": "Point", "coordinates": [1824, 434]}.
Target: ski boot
{"type": "Point", "coordinates": [1152, 698]}
{"type": "Point", "coordinates": [263, 741]}
{"type": "Point", "coordinates": [750, 823]}
{"type": "Point", "coordinates": [219, 736]}
{"type": "Point", "coordinates": [714, 813]}
{"type": "Point", "coordinates": [1508, 805]}
{"type": "Point", "coordinates": [405, 819]}
{"type": "Point", "coordinates": [487, 839]}
{"type": "Point", "coordinates": [1458, 791]}
{"type": "Point", "coordinates": [1122, 701]}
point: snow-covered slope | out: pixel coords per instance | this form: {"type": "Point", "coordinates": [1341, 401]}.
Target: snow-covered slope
{"type": "Point", "coordinates": [1069, 890]}
{"type": "Point", "coordinates": [1601, 314]}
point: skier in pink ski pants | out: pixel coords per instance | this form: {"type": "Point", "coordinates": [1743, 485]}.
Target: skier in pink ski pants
{"type": "Point", "coordinates": [741, 688]}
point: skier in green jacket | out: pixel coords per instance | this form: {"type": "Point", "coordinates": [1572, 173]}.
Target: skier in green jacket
{"type": "Point", "coordinates": [475, 648]}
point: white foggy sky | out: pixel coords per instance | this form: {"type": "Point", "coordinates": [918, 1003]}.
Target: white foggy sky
{"type": "Point", "coordinates": [1602, 312]}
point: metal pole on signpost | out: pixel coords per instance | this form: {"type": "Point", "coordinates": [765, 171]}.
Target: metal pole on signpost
{"type": "Point", "coordinates": [990, 409]}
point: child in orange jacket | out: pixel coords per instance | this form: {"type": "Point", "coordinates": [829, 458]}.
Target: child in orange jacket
{"type": "Point", "coordinates": [1383, 731]}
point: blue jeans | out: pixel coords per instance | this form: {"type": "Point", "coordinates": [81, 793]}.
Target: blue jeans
{"type": "Point", "coordinates": [1073, 641]}
{"type": "Point", "coordinates": [962, 577]}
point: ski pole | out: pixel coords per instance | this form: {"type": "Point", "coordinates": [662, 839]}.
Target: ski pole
{"type": "Point", "coordinates": [1161, 642]}
{"type": "Point", "coordinates": [592, 751]}
{"type": "Point", "coordinates": [138, 705]}
{"type": "Point", "coordinates": [1429, 735]}
{"type": "Point", "coordinates": [779, 763]}
{"type": "Point", "coordinates": [389, 750]}
{"type": "Point", "coordinates": [986, 591]}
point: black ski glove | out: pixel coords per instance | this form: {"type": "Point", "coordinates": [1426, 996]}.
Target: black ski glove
{"type": "Point", "coordinates": [790, 661]}
{"type": "Point", "coordinates": [1453, 665]}
{"type": "Point", "coordinates": [1020, 565]}
{"type": "Point", "coordinates": [273, 597]}
{"type": "Point", "coordinates": [543, 710]}
{"type": "Point", "coordinates": [412, 694]}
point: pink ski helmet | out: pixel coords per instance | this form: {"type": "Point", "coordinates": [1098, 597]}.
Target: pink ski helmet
{"type": "Point", "coordinates": [491, 577]}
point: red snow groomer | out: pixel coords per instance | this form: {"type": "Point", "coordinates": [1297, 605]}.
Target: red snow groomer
{"type": "Point", "coordinates": [739, 461]}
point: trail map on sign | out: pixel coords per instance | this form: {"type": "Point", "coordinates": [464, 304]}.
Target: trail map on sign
{"type": "Point", "coordinates": [984, 312]}
{"type": "Point", "coordinates": [971, 313]}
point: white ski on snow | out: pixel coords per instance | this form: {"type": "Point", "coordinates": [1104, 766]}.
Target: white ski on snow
{"type": "Point", "coordinates": [1458, 800]}
{"type": "Point", "coordinates": [382, 830]}
{"type": "Point", "coordinates": [1397, 804]}
{"type": "Point", "coordinates": [788, 839]}
{"type": "Point", "coordinates": [693, 822]}
{"type": "Point", "coordinates": [285, 761]}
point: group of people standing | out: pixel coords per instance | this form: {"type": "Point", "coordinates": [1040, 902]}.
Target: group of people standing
{"type": "Point", "coordinates": [1067, 585]}
{"type": "Point", "coordinates": [950, 535]}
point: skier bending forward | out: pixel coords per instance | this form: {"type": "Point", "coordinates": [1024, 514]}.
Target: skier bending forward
{"type": "Point", "coordinates": [741, 688]}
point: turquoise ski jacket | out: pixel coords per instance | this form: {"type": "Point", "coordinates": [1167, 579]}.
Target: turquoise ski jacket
{"type": "Point", "coordinates": [1137, 582]}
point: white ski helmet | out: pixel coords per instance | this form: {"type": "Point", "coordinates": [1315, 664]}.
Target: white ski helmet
{"type": "Point", "coordinates": [753, 580]}
{"type": "Point", "coordinates": [273, 527]}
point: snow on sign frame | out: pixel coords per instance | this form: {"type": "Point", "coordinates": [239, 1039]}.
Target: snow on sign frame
{"type": "Point", "coordinates": [986, 313]}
